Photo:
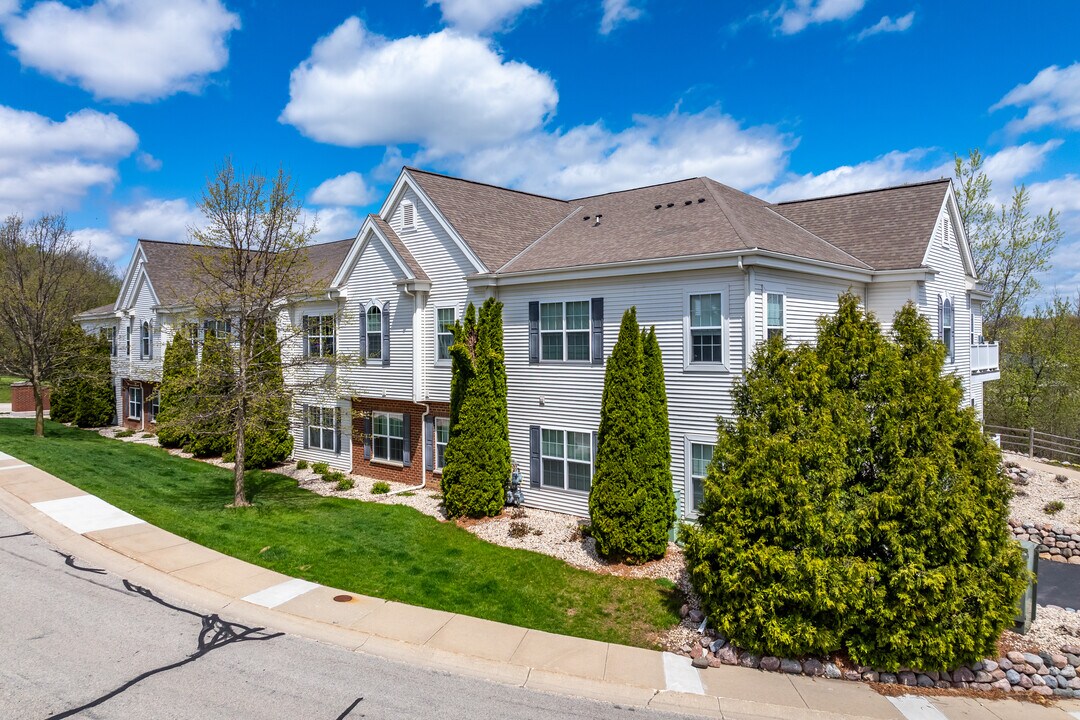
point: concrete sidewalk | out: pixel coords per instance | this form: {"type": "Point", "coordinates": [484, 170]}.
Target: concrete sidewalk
{"type": "Point", "coordinates": [102, 535]}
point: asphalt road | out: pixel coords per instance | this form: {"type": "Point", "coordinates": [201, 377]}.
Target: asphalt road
{"type": "Point", "coordinates": [75, 642]}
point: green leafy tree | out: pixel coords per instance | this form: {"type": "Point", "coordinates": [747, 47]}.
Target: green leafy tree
{"type": "Point", "coordinates": [631, 502]}
{"type": "Point", "coordinates": [853, 505]}
{"type": "Point", "coordinates": [269, 441]}
{"type": "Point", "coordinates": [477, 468]}
{"type": "Point", "coordinates": [179, 376]}
{"type": "Point", "coordinates": [210, 417]}
{"type": "Point", "coordinates": [82, 390]}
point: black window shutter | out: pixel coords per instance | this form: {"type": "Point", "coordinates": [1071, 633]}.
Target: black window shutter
{"type": "Point", "coordinates": [150, 329]}
{"type": "Point", "coordinates": [940, 325]}
{"type": "Point", "coordinates": [304, 320]}
{"type": "Point", "coordinates": [305, 425]}
{"type": "Point", "coordinates": [406, 445]}
{"type": "Point", "coordinates": [595, 448]}
{"type": "Point", "coordinates": [386, 335]}
{"type": "Point", "coordinates": [534, 332]}
{"type": "Point", "coordinates": [429, 443]}
{"type": "Point", "coordinates": [337, 430]}
{"type": "Point", "coordinates": [363, 332]}
{"type": "Point", "coordinates": [534, 456]}
{"type": "Point", "coordinates": [598, 331]}
{"type": "Point", "coordinates": [367, 436]}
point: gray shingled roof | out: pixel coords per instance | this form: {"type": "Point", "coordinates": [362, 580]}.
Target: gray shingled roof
{"type": "Point", "coordinates": [406, 256]}
{"type": "Point", "coordinates": [679, 219]}
{"type": "Point", "coordinates": [888, 229]}
{"type": "Point", "coordinates": [103, 310]}
{"type": "Point", "coordinates": [497, 223]}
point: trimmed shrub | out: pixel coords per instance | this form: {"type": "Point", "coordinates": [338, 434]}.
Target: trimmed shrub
{"type": "Point", "coordinates": [125, 433]}
{"type": "Point", "coordinates": [853, 505]}
{"type": "Point", "coordinates": [82, 389]}
{"type": "Point", "coordinates": [267, 440]}
{"type": "Point", "coordinates": [208, 417]}
{"type": "Point", "coordinates": [301, 464]}
{"type": "Point", "coordinates": [477, 469]}
{"type": "Point", "coordinates": [345, 483]}
{"type": "Point", "coordinates": [380, 488]}
{"type": "Point", "coordinates": [1053, 507]}
{"type": "Point", "coordinates": [320, 468]}
{"type": "Point", "coordinates": [631, 504]}
{"type": "Point", "coordinates": [333, 476]}
{"type": "Point", "coordinates": [179, 374]}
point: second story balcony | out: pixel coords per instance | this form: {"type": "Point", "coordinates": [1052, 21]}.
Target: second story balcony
{"type": "Point", "coordinates": [984, 358]}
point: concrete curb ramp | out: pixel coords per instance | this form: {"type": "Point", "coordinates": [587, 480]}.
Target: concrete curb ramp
{"type": "Point", "coordinates": [96, 532]}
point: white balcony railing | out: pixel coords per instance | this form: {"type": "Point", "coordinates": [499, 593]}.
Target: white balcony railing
{"type": "Point", "coordinates": [984, 358]}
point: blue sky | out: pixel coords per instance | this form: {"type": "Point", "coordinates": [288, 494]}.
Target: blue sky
{"type": "Point", "coordinates": [116, 111]}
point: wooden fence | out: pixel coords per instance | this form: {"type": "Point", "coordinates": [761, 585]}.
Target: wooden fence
{"type": "Point", "coordinates": [1033, 443]}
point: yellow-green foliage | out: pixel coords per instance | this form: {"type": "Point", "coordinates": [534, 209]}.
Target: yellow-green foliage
{"type": "Point", "coordinates": [853, 504]}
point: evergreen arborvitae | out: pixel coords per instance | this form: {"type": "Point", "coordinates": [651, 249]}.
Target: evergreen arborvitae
{"type": "Point", "coordinates": [209, 417]}
{"type": "Point", "coordinates": [179, 375]}
{"type": "Point", "coordinates": [631, 502]}
{"type": "Point", "coordinates": [267, 440]}
{"type": "Point", "coordinates": [477, 465]}
{"type": "Point", "coordinates": [82, 390]}
{"type": "Point", "coordinates": [853, 505]}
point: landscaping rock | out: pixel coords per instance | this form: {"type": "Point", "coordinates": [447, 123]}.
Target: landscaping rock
{"type": "Point", "coordinates": [852, 675]}
{"type": "Point", "coordinates": [727, 655]}
{"type": "Point", "coordinates": [813, 668]}
{"type": "Point", "coordinates": [923, 681]}
{"type": "Point", "coordinates": [1071, 649]}
{"type": "Point", "coordinates": [1050, 681]}
{"type": "Point", "coordinates": [705, 641]}
{"type": "Point", "coordinates": [963, 674]}
{"type": "Point", "coordinates": [1059, 661]}
{"type": "Point", "coordinates": [1033, 660]}
{"type": "Point", "coordinates": [1012, 676]}
{"type": "Point", "coordinates": [696, 616]}
{"type": "Point", "coordinates": [792, 667]}
{"type": "Point", "coordinates": [983, 677]}
{"type": "Point", "coordinates": [832, 672]}
{"type": "Point", "coordinates": [701, 661]}
{"type": "Point", "coordinates": [1068, 672]}
{"type": "Point", "coordinates": [1002, 685]}
{"type": "Point", "coordinates": [1037, 680]}
{"type": "Point", "coordinates": [989, 666]}
{"type": "Point", "coordinates": [1005, 664]}
{"type": "Point", "coordinates": [684, 610]}
{"type": "Point", "coordinates": [998, 674]}
{"type": "Point", "coordinates": [749, 660]}
{"type": "Point", "coordinates": [1025, 682]}
{"type": "Point", "coordinates": [770, 663]}
{"type": "Point", "coordinates": [717, 644]}
{"type": "Point", "coordinates": [906, 677]}
{"type": "Point", "coordinates": [887, 678]}
{"type": "Point", "coordinates": [871, 676]}
{"type": "Point", "coordinates": [1042, 690]}
{"type": "Point", "coordinates": [696, 651]}
{"type": "Point", "coordinates": [1017, 658]}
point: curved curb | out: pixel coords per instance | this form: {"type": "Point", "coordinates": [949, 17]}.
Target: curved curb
{"type": "Point", "coordinates": [87, 527]}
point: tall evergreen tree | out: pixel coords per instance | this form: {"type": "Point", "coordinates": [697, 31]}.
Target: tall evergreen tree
{"type": "Point", "coordinates": [179, 375]}
{"type": "Point", "coordinates": [82, 389]}
{"type": "Point", "coordinates": [853, 504]}
{"type": "Point", "coordinates": [630, 507]}
{"type": "Point", "coordinates": [268, 438]}
{"type": "Point", "coordinates": [211, 415]}
{"type": "Point", "coordinates": [477, 466]}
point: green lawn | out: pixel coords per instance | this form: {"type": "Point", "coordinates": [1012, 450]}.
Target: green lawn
{"type": "Point", "coordinates": [5, 387]}
{"type": "Point", "coordinates": [387, 551]}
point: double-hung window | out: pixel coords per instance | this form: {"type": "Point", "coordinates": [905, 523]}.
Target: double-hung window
{"type": "Point", "coordinates": [564, 331]}
{"type": "Point", "coordinates": [444, 333]}
{"type": "Point", "coordinates": [706, 329]}
{"type": "Point", "coordinates": [566, 459]}
{"type": "Point", "coordinates": [774, 315]}
{"type": "Point", "coordinates": [109, 333]}
{"type": "Point", "coordinates": [442, 438]}
{"type": "Point", "coordinates": [216, 329]}
{"type": "Point", "coordinates": [135, 402]}
{"type": "Point", "coordinates": [374, 333]}
{"type": "Point", "coordinates": [700, 457]}
{"type": "Point", "coordinates": [144, 351]}
{"type": "Point", "coordinates": [155, 404]}
{"type": "Point", "coordinates": [387, 437]}
{"type": "Point", "coordinates": [947, 327]}
{"type": "Point", "coordinates": [321, 428]}
{"type": "Point", "coordinates": [320, 335]}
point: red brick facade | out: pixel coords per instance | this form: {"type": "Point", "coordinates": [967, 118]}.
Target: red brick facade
{"type": "Point", "coordinates": [22, 397]}
{"type": "Point", "coordinates": [392, 472]}
{"type": "Point", "coordinates": [148, 390]}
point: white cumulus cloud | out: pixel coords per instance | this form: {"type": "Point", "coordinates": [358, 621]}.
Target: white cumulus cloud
{"type": "Point", "coordinates": [134, 50]}
{"type": "Point", "coordinates": [796, 16]}
{"type": "Point", "coordinates": [445, 91]}
{"type": "Point", "coordinates": [334, 223]}
{"type": "Point", "coordinates": [591, 159]}
{"type": "Point", "coordinates": [887, 25]}
{"type": "Point", "coordinates": [1009, 165]}
{"type": "Point", "coordinates": [893, 168]}
{"type": "Point", "coordinates": [103, 243]}
{"type": "Point", "coordinates": [479, 16]}
{"type": "Point", "coordinates": [1051, 98]}
{"type": "Point", "coordinates": [616, 12]}
{"type": "Point", "coordinates": [48, 165]}
{"type": "Point", "coordinates": [347, 189]}
{"type": "Point", "coordinates": [157, 219]}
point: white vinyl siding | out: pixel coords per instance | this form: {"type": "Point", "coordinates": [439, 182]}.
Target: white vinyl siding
{"type": "Point", "coordinates": [949, 282]}
{"type": "Point", "coordinates": [387, 437]}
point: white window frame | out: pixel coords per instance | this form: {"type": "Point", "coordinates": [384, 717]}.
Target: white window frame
{"type": "Point", "coordinates": [378, 347]}
{"type": "Point", "coordinates": [725, 330]}
{"type": "Point", "coordinates": [782, 327]}
{"type": "Point", "coordinates": [146, 339]}
{"type": "Point", "coordinates": [388, 460]}
{"type": "Point", "coordinates": [948, 310]}
{"type": "Point", "coordinates": [443, 422]}
{"type": "Point", "coordinates": [448, 333]}
{"type": "Point", "coordinates": [133, 403]}
{"type": "Point", "coordinates": [567, 460]}
{"type": "Point", "coordinates": [320, 322]}
{"type": "Point", "coordinates": [215, 329]}
{"type": "Point", "coordinates": [564, 332]}
{"type": "Point", "coordinates": [688, 460]}
{"type": "Point", "coordinates": [155, 406]}
{"type": "Point", "coordinates": [316, 420]}
{"type": "Point", "coordinates": [408, 215]}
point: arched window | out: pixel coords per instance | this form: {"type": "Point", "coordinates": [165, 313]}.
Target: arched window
{"type": "Point", "coordinates": [947, 327]}
{"type": "Point", "coordinates": [145, 350]}
{"type": "Point", "coordinates": [374, 333]}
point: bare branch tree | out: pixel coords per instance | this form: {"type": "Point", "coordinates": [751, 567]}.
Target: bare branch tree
{"type": "Point", "coordinates": [46, 277]}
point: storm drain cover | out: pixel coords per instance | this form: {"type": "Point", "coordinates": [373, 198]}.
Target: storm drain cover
{"type": "Point", "coordinates": [343, 598]}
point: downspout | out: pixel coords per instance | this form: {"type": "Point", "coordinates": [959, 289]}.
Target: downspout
{"type": "Point", "coordinates": [417, 359]}
{"type": "Point", "coordinates": [748, 313]}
